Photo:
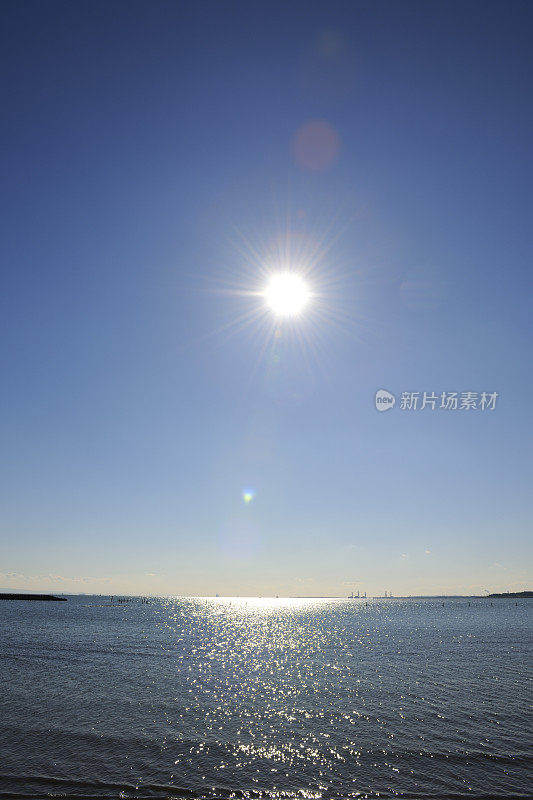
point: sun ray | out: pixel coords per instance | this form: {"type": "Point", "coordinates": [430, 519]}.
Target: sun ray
{"type": "Point", "coordinates": [299, 289]}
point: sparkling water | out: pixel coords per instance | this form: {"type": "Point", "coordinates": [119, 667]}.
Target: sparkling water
{"type": "Point", "coordinates": [192, 697]}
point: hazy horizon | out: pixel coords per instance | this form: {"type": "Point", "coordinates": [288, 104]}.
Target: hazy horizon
{"type": "Point", "coordinates": [176, 596]}
{"type": "Point", "coordinates": [106, 587]}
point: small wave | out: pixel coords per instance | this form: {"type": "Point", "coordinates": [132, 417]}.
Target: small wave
{"type": "Point", "coordinates": [41, 787]}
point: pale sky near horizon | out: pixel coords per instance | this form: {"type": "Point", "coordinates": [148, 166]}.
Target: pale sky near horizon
{"type": "Point", "coordinates": [162, 431]}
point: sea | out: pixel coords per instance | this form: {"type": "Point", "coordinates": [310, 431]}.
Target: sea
{"type": "Point", "coordinates": [266, 698]}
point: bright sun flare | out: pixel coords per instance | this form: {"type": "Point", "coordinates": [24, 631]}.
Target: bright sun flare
{"type": "Point", "coordinates": [287, 294]}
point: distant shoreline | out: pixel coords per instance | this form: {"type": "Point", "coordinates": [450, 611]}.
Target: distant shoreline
{"type": "Point", "coordinates": [45, 597]}
{"type": "Point", "coordinates": [528, 594]}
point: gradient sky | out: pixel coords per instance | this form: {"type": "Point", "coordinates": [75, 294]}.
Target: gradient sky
{"type": "Point", "coordinates": [155, 155]}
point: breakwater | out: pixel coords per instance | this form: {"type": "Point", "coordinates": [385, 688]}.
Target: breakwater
{"type": "Point", "coordinates": [49, 597]}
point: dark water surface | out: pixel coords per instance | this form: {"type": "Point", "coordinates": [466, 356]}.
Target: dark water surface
{"type": "Point", "coordinates": [276, 698]}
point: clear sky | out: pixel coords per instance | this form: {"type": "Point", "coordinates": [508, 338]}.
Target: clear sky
{"type": "Point", "coordinates": [162, 430]}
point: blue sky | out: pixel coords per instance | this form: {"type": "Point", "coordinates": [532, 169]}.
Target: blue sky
{"type": "Point", "coordinates": [151, 160]}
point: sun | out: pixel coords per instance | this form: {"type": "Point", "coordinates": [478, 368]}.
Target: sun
{"type": "Point", "coordinates": [286, 294]}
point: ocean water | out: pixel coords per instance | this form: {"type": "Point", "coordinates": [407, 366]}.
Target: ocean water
{"type": "Point", "coordinates": [276, 698]}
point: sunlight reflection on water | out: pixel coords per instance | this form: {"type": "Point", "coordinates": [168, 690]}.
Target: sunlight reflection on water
{"type": "Point", "coordinates": [313, 697]}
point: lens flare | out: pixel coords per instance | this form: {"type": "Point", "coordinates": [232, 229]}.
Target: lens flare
{"type": "Point", "coordinates": [287, 294]}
